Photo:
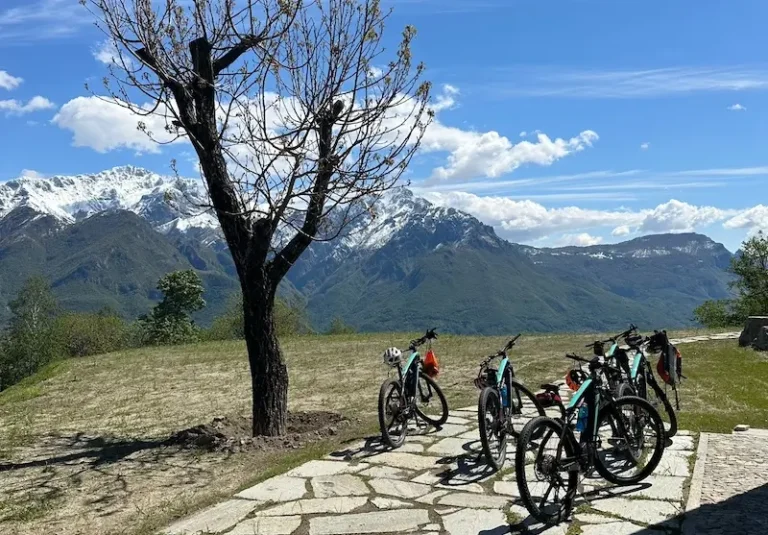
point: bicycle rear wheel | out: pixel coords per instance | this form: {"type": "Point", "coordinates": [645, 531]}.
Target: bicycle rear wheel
{"type": "Point", "coordinates": [493, 427]}
{"type": "Point", "coordinates": [547, 483]}
{"type": "Point", "coordinates": [656, 397]}
{"type": "Point", "coordinates": [431, 404]}
{"type": "Point", "coordinates": [393, 420]}
{"type": "Point", "coordinates": [631, 440]}
{"type": "Point", "coordinates": [524, 406]}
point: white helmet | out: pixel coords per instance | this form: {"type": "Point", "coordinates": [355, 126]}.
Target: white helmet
{"type": "Point", "coordinates": [392, 356]}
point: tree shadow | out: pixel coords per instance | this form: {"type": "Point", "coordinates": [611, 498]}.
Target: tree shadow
{"type": "Point", "coordinates": [94, 451]}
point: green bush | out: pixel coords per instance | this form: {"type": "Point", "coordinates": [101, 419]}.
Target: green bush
{"type": "Point", "coordinates": [79, 335]}
{"type": "Point", "coordinates": [339, 327]}
{"type": "Point", "coordinates": [289, 320]}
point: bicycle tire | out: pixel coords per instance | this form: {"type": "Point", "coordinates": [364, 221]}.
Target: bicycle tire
{"type": "Point", "coordinates": [443, 403]}
{"type": "Point", "coordinates": [519, 387]}
{"type": "Point", "coordinates": [642, 392]}
{"type": "Point", "coordinates": [491, 395]}
{"type": "Point", "coordinates": [671, 414]}
{"type": "Point", "coordinates": [625, 389]}
{"type": "Point", "coordinates": [610, 410]}
{"type": "Point", "coordinates": [384, 393]}
{"type": "Point", "coordinates": [540, 426]}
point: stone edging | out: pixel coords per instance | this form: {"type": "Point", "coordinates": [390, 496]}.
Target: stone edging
{"type": "Point", "coordinates": [697, 480]}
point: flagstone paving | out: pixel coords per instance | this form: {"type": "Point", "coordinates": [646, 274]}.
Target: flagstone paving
{"type": "Point", "coordinates": [438, 483]}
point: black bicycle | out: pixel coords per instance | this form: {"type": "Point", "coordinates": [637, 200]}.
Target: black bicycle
{"type": "Point", "coordinates": [622, 438]}
{"type": "Point", "coordinates": [503, 404]}
{"type": "Point", "coordinates": [413, 395]}
{"type": "Point", "coordinates": [637, 371]}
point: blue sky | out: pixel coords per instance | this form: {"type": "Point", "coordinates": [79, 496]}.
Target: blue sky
{"type": "Point", "coordinates": [660, 108]}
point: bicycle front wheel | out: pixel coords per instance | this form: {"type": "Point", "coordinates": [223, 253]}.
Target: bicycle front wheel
{"type": "Point", "coordinates": [658, 398]}
{"type": "Point", "coordinates": [546, 470]}
{"type": "Point", "coordinates": [393, 419]}
{"type": "Point", "coordinates": [431, 404]}
{"type": "Point", "coordinates": [631, 440]}
{"type": "Point", "coordinates": [524, 406]}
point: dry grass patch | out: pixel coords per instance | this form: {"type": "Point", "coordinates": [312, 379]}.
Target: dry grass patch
{"type": "Point", "coordinates": [81, 443]}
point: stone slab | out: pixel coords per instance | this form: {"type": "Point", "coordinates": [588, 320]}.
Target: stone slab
{"type": "Point", "coordinates": [681, 443]}
{"type": "Point", "coordinates": [284, 525]}
{"type": "Point", "coordinates": [475, 501]}
{"type": "Point", "coordinates": [662, 488]}
{"type": "Point", "coordinates": [641, 511]}
{"type": "Point", "coordinates": [474, 521]}
{"type": "Point", "coordinates": [314, 506]}
{"type": "Point", "coordinates": [386, 472]}
{"type": "Point", "coordinates": [591, 518]}
{"type": "Point", "coordinates": [439, 481]}
{"type": "Point", "coordinates": [432, 496]}
{"type": "Point", "coordinates": [220, 517]}
{"type": "Point", "coordinates": [342, 485]}
{"type": "Point", "coordinates": [391, 521]}
{"type": "Point", "coordinates": [449, 447]}
{"type": "Point", "coordinates": [389, 503]}
{"type": "Point", "coordinates": [450, 430]}
{"type": "Point", "coordinates": [673, 464]}
{"type": "Point", "coordinates": [408, 461]}
{"type": "Point", "coordinates": [615, 528]}
{"type": "Point", "coordinates": [399, 489]}
{"type": "Point", "coordinates": [323, 468]}
{"type": "Point", "coordinates": [276, 489]}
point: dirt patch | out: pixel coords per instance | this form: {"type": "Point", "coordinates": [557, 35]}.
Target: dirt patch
{"type": "Point", "coordinates": [233, 433]}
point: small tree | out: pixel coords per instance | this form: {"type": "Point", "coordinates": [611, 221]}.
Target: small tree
{"type": "Point", "coordinates": [339, 327]}
{"type": "Point", "coordinates": [170, 322]}
{"type": "Point", "coordinates": [751, 285]}
{"type": "Point", "coordinates": [298, 120]}
{"type": "Point", "coordinates": [29, 344]}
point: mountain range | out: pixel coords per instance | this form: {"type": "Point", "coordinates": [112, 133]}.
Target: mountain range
{"type": "Point", "coordinates": [105, 239]}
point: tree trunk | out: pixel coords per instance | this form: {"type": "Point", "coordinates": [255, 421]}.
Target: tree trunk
{"type": "Point", "coordinates": [269, 375]}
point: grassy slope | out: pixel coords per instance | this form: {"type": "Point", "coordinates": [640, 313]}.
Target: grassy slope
{"type": "Point", "coordinates": [146, 394]}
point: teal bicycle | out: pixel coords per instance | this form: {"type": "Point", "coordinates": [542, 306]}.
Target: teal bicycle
{"type": "Point", "coordinates": [413, 395]}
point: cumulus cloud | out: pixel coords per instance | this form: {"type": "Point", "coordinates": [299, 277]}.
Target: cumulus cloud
{"type": "Point", "coordinates": [489, 154]}
{"type": "Point", "coordinates": [31, 173]}
{"type": "Point", "coordinates": [737, 107]}
{"type": "Point", "coordinates": [526, 220]}
{"type": "Point", "coordinates": [621, 230]}
{"type": "Point", "coordinates": [104, 126]}
{"type": "Point", "coordinates": [17, 107]}
{"type": "Point", "coordinates": [755, 218]}
{"type": "Point", "coordinates": [580, 240]}
{"type": "Point", "coordinates": [9, 82]}
{"type": "Point", "coordinates": [645, 146]}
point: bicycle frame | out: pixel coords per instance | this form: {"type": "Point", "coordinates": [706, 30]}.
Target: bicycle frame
{"type": "Point", "coordinates": [413, 362]}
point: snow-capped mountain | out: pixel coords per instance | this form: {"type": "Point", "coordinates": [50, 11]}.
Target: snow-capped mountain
{"type": "Point", "coordinates": [167, 203]}
{"type": "Point", "coordinates": [106, 238]}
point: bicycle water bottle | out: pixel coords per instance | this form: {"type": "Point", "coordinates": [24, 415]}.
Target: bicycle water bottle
{"type": "Point", "coordinates": [581, 422]}
{"type": "Point", "coordinates": [504, 399]}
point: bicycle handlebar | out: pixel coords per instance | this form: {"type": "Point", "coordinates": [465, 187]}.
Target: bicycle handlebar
{"type": "Point", "coordinates": [510, 344]}
{"type": "Point", "coordinates": [430, 335]}
{"type": "Point", "coordinates": [625, 334]}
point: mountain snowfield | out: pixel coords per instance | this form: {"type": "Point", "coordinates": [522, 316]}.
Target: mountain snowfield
{"type": "Point", "coordinates": [166, 202]}
{"type": "Point", "coordinates": [380, 273]}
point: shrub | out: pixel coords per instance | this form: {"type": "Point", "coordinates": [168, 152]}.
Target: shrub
{"type": "Point", "coordinates": [339, 327]}
{"type": "Point", "coordinates": [79, 335]}
{"type": "Point", "coordinates": [290, 319]}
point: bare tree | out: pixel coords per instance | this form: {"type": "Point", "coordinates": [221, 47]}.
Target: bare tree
{"type": "Point", "coordinates": [298, 119]}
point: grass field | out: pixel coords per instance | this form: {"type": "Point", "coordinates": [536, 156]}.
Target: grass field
{"type": "Point", "coordinates": [79, 442]}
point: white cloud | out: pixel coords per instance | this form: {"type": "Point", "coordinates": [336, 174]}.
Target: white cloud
{"type": "Point", "coordinates": [645, 146]}
{"type": "Point", "coordinates": [31, 173]}
{"type": "Point", "coordinates": [16, 107]}
{"type": "Point", "coordinates": [621, 230]}
{"type": "Point", "coordinates": [523, 134]}
{"type": "Point", "coordinates": [42, 20]}
{"type": "Point", "coordinates": [580, 240]}
{"type": "Point", "coordinates": [737, 107]}
{"type": "Point", "coordinates": [647, 83]}
{"type": "Point", "coordinates": [489, 154]}
{"type": "Point", "coordinates": [9, 82]}
{"type": "Point", "coordinates": [755, 218]}
{"type": "Point", "coordinates": [105, 126]}
{"type": "Point", "coordinates": [526, 220]}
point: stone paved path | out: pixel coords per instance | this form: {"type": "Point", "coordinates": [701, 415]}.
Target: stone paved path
{"type": "Point", "coordinates": [438, 483]}
{"type": "Point", "coordinates": [733, 499]}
